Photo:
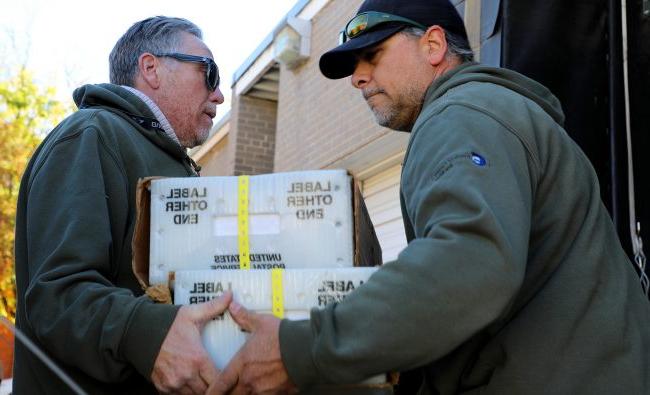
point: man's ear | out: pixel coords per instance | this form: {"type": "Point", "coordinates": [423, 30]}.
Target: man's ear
{"type": "Point", "coordinates": [149, 68]}
{"type": "Point", "coordinates": [436, 44]}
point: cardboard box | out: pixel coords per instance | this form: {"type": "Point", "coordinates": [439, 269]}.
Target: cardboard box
{"type": "Point", "coordinates": [302, 289]}
{"type": "Point", "coordinates": [365, 249]}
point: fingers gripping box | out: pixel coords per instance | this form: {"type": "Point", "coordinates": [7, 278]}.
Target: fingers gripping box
{"type": "Point", "coordinates": [301, 290]}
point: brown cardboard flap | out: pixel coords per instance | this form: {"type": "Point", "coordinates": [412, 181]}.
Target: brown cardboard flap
{"type": "Point", "coordinates": [159, 293]}
{"type": "Point", "coordinates": [140, 242]}
{"type": "Point", "coordinates": [367, 251]}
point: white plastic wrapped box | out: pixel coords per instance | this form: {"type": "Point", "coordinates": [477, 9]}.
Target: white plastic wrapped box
{"type": "Point", "coordinates": [295, 220]}
{"type": "Point", "coordinates": [302, 289]}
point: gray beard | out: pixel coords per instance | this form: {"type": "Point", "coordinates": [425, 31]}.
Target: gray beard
{"type": "Point", "coordinates": [197, 139]}
{"type": "Point", "coordinates": [401, 116]}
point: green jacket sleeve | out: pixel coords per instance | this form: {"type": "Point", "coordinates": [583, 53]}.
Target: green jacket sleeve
{"type": "Point", "coordinates": [78, 216]}
{"type": "Point", "coordinates": [457, 276]}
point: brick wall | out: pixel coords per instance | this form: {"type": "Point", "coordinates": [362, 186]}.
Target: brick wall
{"type": "Point", "coordinates": [321, 120]}
{"type": "Point", "coordinates": [252, 139]}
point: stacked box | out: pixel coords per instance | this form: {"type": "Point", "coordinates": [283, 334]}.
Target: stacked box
{"type": "Point", "coordinates": [296, 220]}
{"type": "Point", "coordinates": [303, 289]}
{"type": "Point", "coordinates": [313, 225]}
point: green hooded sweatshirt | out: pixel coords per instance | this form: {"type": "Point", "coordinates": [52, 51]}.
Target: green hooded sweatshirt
{"type": "Point", "coordinates": [77, 296]}
{"type": "Point", "coordinates": [513, 280]}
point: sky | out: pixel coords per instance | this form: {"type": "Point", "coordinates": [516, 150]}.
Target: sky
{"type": "Point", "coordinates": [66, 43]}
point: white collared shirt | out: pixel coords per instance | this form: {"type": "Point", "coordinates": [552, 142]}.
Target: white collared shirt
{"type": "Point", "coordinates": [164, 123]}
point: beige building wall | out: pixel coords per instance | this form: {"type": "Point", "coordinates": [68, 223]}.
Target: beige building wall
{"type": "Point", "coordinates": [215, 155]}
{"type": "Point", "coordinates": [214, 162]}
{"type": "Point", "coordinates": [321, 120]}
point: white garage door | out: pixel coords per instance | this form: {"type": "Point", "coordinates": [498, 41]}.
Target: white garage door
{"type": "Point", "coordinates": [381, 193]}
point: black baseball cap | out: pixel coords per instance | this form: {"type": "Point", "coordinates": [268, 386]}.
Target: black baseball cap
{"type": "Point", "coordinates": [341, 61]}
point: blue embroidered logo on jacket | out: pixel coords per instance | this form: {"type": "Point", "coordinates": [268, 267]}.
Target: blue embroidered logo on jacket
{"type": "Point", "coordinates": [478, 159]}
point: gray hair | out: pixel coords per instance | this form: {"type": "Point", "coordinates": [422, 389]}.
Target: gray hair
{"type": "Point", "coordinates": [159, 34]}
{"type": "Point", "coordinates": [457, 45]}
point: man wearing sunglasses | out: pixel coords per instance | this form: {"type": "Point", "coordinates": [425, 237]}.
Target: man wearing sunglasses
{"type": "Point", "coordinates": [77, 296]}
{"type": "Point", "coordinates": [513, 281]}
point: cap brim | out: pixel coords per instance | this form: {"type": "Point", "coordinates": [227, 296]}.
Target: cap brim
{"type": "Point", "coordinates": [341, 61]}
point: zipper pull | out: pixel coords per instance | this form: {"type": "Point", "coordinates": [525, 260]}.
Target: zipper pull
{"type": "Point", "coordinates": [195, 166]}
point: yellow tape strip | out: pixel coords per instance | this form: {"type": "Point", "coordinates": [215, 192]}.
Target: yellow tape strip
{"type": "Point", "coordinates": [278, 292]}
{"type": "Point", "coordinates": [242, 220]}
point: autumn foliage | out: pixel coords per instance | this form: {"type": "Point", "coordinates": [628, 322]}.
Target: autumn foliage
{"type": "Point", "coordinates": [6, 352]}
{"type": "Point", "coordinates": [27, 112]}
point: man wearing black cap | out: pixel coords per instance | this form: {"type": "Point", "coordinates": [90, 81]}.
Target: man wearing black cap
{"type": "Point", "coordinates": [513, 281]}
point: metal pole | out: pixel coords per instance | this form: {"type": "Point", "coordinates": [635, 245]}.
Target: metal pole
{"type": "Point", "coordinates": [615, 83]}
{"type": "Point", "coordinates": [31, 346]}
{"type": "Point", "coordinates": [634, 226]}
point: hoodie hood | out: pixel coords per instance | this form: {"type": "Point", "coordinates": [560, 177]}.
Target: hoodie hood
{"type": "Point", "coordinates": [122, 102]}
{"type": "Point", "coordinates": [111, 96]}
{"type": "Point", "coordinates": [474, 72]}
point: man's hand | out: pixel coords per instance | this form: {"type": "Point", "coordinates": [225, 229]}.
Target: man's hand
{"type": "Point", "coordinates": [257, 368]}
{"type": "Point", "coordinates": [183, 365]}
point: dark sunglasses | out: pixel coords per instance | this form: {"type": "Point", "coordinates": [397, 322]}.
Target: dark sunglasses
{"type": "Point", "coordinates": [367, 20]}
{"type": "Point", "coordinates": [211, 70]}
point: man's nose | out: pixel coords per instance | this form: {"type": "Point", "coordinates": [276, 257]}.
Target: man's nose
{"type": "Point", "coordinates": [361, 74]}
{"type": "Point", "coordinates": [217, 96]}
